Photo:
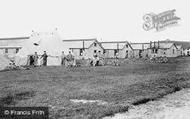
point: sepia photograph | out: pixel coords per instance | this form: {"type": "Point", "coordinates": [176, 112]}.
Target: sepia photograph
{"type": "Point", "coordinates": [94, 59]}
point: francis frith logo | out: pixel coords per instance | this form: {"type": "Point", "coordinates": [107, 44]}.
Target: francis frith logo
{"type": "Point", "coordinates": [160, 21]}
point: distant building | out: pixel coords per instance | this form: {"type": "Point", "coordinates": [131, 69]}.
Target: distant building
{"type": "Point", "coordinates": [180, 50]}
{"type": "Point", "coordinates": [85, 48]}
{"type": "Point", "coordinates": [124, 49]}
{"type": "Point", "coordinates": [140, 50]}
{"type": "Point", "coordinates": [4, 50]}
{"type": "Point", "coordinates": [163, 49]}
{"type": "Point", "coordinates": [95, 47]}
{"type": "Point", "coordinates": [121, 49]}
{"type": "Point", "coordinates": [187, 52]}
{"type": "Point", "coordinates": [127, 51]}
{"type": "Point", "coordinates": [11, 45]}
{"type": "Point", "coordinates": [82, 48]}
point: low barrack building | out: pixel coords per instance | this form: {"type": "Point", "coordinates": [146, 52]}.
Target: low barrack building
{"type": "Point", "coordinates": [85, 48]}
{"type": "Point", "coordinates": [120, 49]}
{"type": "Point", "coordinates": [163, 49]}
{"type": "Point", "coordinates": [9, 46]}
{"type": "Point", "coordinates": [140, 50]}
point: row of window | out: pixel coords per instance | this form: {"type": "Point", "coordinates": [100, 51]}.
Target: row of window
{"type": "Point", "coordinates": [117, 51]}
{"type": "Point", "coordinates": [156, 51]}
{"type": "Point", "coordinates": [95, 51]}
{"type": "Point", "coordinates": [7, 50]}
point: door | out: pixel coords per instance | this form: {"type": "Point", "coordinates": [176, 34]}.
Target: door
{"type": "Point", "coordinates": [126, 54]}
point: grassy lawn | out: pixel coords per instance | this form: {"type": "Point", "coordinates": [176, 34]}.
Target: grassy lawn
{"type": "Point", "coordinates": [120, 87]}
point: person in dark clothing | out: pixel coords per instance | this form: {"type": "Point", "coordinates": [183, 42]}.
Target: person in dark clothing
{"type": "Point", "coordinates": [31, 60]}
{"type": "Point", "coordinates": [44, 59]}
{"type": "Point", "coordinates": [36, 59]}
{"type": "Point", "coordinates": [63, 58]}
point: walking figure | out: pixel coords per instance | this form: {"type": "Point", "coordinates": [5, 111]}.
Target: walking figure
{"type": "Point", "coordinates": [95, 58]}
{"type": "Point", "coordinates": [44, 59]}
{"type": "Point", "coordinates": [63, 58]}
{"type": "Point", "coordinates": [70, 60]}
{"type": "Point", "coordinates": [36, 59]}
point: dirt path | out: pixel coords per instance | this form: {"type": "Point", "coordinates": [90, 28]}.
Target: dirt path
{"type": "Point", "coordinates": [172, 106]}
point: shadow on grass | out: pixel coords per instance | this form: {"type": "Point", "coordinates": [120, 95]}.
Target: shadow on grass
{"type": "Point", "coordinates": [145, 100]}
{"type": "Point", "coordinates": [88, 111]}
{"type": "Point", "coordinates": [12, 99]}
{"type": "Point", "coordinates": [138, 94]}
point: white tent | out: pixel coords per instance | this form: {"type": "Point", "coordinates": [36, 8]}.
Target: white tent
{"type": "Point", "coordinates": [40, 42]}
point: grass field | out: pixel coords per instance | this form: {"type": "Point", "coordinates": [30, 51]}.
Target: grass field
{"type": "Point", "coordinates": [120, 87]}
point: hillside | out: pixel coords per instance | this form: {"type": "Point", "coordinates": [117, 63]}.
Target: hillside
{"type": "Point", "coordinates": [185, 44]}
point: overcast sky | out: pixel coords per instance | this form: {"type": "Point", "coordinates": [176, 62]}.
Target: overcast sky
{"type": "Point", "coordinates": [106, 19]}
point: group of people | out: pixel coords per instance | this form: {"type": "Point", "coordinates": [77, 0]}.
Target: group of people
{"type": "Point", "coordinates": [68, 60]}
{"type": "Point", "coordinates": [98, 59]}
{"type": "Point", "coordinates": [33, 60]}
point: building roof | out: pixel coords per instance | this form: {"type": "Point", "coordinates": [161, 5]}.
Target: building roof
{"type": "Point", "coordinates": [78, 43]}
{"type": "Point", "coordinates": [97, 43]}
{"type": "Point", "coordinates": [75, 40]}
{"type": "Point", "coordinates": [113, 44]}
{"type": "Point", "coordinates": [9, 47]}
{"type": "Point", "coordinates": [165, 45]}
{"type": "Point", "coordinates": [15, 38]}
{"type": "Point", "coordinates": [179, 46]}
{"type": "Point", "coordinates": [140, 46]}
{"type": "Point", "coordinates": [184, 44]}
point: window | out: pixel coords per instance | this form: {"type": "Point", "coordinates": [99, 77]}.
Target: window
{"type": "Point", "coordinates": [140, 53]}
{"type": "Point", "coordinates": [164, 53]}
{"type": "Point", "coordinates": [104, 51]}
{"type": "Point", "coordinates": [6, 50]}
{"type": "Point", "coordinates": [17, 50]}
{"type": "Point", "coordinates": [95, 51]}
{"type": "Point", "coordinates": [126, 46]}
{"type": "Point", "coordinates": [95, 44]}
{"type": "Point", "coordinates": [80, 52]}
{"type": "Point", "coordinates": [173, 51]}
{"type": "Point", "coordinates": [126, 55]}
{"type": "Point", "coordinates": [152, 50]}
{"type": "Point", "coordinates": [115, 52]}
{"type": "Point", "coordinates": [156, 50]}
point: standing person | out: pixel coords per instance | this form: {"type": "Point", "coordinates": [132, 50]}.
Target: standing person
{"type": "Point", "coordinates": [31, 60]}
{"type": "Point", "coordinates": [116, 61]}
{"type": "Point", "coordinates": [63, 57]}
{"type": "Point", "coordinates": [95, 57]}
{"type": "Point", "coordinates": [44, 59]}
{"type": "Point", "coordinates": [99, 58]}
{"type": "Point", "coordinates": [70, 59]}
{"type": "Point", "coordinates": [35, 59]}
